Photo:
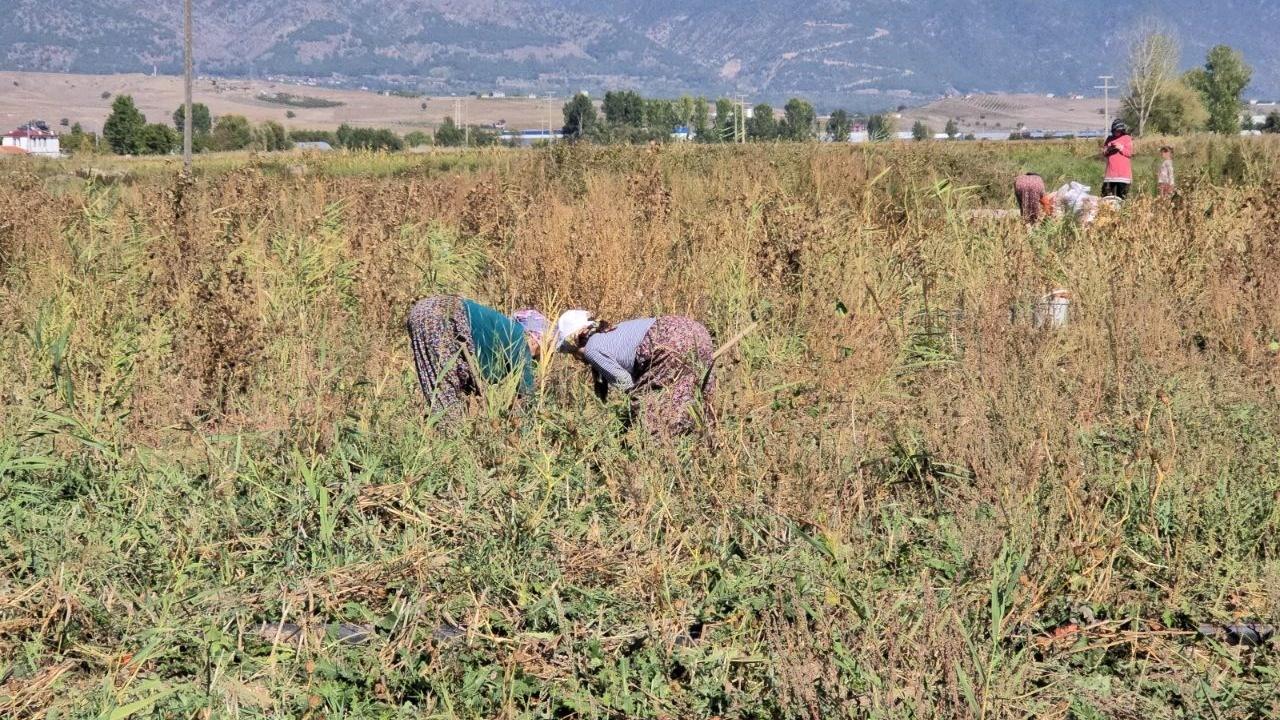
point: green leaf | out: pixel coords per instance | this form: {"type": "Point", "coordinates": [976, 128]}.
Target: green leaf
{"type": "Point", "coordinates": [125, 711]}
{"type": "Point", "coordinates": [966, 687]}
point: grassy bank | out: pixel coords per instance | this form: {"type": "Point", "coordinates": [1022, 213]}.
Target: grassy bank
{"type": "Point", "coordinates": [918, 507]}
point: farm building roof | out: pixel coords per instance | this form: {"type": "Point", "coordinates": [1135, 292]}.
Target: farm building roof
{"type": "Point", "coordinates": [30, 133]}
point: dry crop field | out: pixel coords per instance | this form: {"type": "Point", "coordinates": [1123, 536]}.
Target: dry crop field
{"type": "Point", "coordinates": [80, 99]}
{"type": "Point", "coordinates": [219, 497]}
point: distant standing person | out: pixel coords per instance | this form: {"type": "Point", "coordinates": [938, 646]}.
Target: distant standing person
{"type": "Point", "coordinates": [1165, 178]}
{"type": "Point", "coordinates": [1029, 189]}
{"type": "Point", "coordinates": [1118, 151]}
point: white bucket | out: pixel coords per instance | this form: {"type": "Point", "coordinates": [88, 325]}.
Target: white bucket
{"type": "Point", "coordinates": [1052, 311]}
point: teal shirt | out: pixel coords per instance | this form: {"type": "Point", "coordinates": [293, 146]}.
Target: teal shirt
{"type": "Point", "coordinates": [500, 346]}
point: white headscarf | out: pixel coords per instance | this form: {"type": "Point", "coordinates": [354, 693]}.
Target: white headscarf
{"type": "Point", "coordinates": [571, 324]}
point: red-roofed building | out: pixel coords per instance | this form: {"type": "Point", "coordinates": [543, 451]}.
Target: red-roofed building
{"type": "Point", "coordinates": [33, 140]}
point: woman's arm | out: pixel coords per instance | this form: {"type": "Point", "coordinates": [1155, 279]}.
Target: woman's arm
{"type": "Point", "coordinates": [600, 385]}
{"type": "Point", "coordinates": [608, 369]}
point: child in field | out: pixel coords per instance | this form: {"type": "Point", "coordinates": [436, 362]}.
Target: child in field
{"type": "Point", "coordinates": [1165, 178]}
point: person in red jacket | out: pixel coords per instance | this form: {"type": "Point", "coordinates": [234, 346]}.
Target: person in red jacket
{"type": "Point", "coordinates": [1118, 152]}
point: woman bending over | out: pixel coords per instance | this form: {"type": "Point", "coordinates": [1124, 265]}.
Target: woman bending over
{"type": "Point", "coordinates": [460, 345]}
{"type": "Point", "coordinates": [663, 363]}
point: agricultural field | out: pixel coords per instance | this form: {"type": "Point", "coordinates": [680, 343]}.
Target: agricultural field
{"type": "Point", "coordinates": [1005, 113]}
{"type": "Point", "coordinates": [79, 99]}
{"type": "Point", "coordinates": [86, 99]}
{"type": "Point", "coordinates": [220, 498]}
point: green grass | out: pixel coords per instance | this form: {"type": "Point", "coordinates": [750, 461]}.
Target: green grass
{"type": "Point", "coordinates": [298, 101]}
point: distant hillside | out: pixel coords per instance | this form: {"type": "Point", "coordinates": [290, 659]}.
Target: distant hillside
{"type": "Point", "coordinates": [870, 53]}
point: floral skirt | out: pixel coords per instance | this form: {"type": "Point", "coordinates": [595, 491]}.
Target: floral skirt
{"type": "Point", "coordinates": [440, 336]}
{"type": "Point", "coordinates": [1029, 189]}
{"type": "Point", "coordinates": [674, 388]}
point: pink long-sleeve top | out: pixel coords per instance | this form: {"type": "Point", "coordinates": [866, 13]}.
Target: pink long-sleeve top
{"type": "Point", "coordinates": [1119, 163]}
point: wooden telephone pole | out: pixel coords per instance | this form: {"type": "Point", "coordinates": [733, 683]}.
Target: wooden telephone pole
{"type": "Point", "coordinates": [740, 121]}
{"type": "Point", "coordinates": [187, 120]}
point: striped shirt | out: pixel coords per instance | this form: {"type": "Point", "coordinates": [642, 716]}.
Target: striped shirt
{"type": "Point", "coordinates": [613, 354]}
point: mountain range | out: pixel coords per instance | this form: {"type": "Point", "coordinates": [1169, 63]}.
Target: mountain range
{"type": "Point", "coordinates": [862, 54]}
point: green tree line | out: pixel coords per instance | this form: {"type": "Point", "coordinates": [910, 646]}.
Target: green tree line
{"type": "Point", "coordinates": [627, 117]}
{"type": "Point", "coordinates": [127, 132]}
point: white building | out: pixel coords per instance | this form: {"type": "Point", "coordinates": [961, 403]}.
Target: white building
{"type": "Point", "coordinates": [32, 140]}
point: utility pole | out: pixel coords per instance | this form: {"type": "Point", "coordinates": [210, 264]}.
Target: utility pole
{"type": "Point", "coordinates": [740, 121]}
{"type": "Point", "coordinates": [459, 120]}
{"type": "Point", "coordinates": [187, 120]}
{"type": "Point", "coordinates": [1106, 87]}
